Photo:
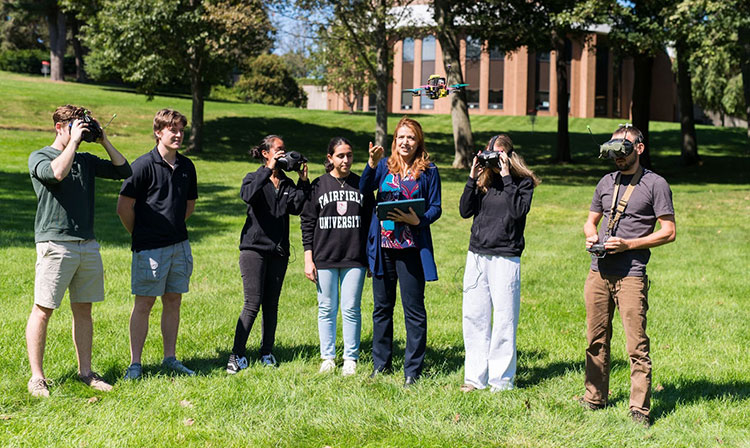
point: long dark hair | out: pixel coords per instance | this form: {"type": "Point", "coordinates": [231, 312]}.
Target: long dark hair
{"type": "Point", "coordinates": [264, 145]}
{"type": "Point", "coordinates": [335, 142]}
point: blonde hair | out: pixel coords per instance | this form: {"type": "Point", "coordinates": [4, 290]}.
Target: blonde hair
{"type": "Point", "coordinates": [421, 160]}
{"type": "Point", "coordinates": [516, 164]}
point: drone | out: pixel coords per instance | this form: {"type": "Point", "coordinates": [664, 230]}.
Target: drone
{"type": "Point", "coordinates": [435, 88]}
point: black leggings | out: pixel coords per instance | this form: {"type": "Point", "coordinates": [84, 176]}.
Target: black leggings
{"type": "Point", "coordinates": [262, 277]}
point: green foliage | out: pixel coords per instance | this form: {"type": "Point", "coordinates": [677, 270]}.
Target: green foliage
{"type": "Point", "coordinates": [267, 80]}
{"type": "Point", "coordinates": [30, 61]}
{"type": "Point", "coordinates": [20, 27]}
{"type": "Point", "coordinates": [150, 43]}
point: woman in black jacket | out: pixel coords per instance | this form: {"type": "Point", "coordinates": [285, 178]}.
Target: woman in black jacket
{"type": "Point", "coordinates": [264, 246]}
{"type": "Point", "coordinates": [498, 196]}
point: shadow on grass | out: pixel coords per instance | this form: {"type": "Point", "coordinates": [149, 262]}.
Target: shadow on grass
{"type": "Point", "coordinates": [726, 158]}
{"type": "Point", "coordinates": [693, 391]}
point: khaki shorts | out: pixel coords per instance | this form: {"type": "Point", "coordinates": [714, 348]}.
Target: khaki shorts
{"type": "Point", "coordinates": [158, 271]}
{"type": "Point", "coordinates": [73, 265]}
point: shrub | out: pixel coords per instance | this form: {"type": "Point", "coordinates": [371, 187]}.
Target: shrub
{"type": "Point", "coordinates": [30, 61]}
{"type": "Point", "coordinates": [267, 81]}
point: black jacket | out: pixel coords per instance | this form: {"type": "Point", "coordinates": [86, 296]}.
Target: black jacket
{"type": "Point", "coordinates": [266, 227]}
{"type": "Point", "coordinates": [499, 215]}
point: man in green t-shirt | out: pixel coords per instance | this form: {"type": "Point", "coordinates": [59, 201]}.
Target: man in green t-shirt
{"type": "Point", "coordinates": [67, 253]}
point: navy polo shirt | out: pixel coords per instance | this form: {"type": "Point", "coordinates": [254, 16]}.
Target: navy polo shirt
{"type": "Point", "coordinates": [161, 194]}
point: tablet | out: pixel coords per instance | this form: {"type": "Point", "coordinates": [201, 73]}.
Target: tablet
{"type": "Point", "coordinates": [384, 208]}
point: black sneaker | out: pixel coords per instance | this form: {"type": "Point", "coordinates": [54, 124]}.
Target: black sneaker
{"type": "Point", "coordinates": [236, 363]}
{"type": "Point", "coordinates": [640, 418]}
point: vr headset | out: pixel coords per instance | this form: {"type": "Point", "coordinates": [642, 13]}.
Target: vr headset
{"type": "Point", "coordinates": [617, 147]}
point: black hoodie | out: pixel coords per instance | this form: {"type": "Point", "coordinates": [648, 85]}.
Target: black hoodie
{"type": "Point", "coordinates": [266, 227]}
{"type": "Point", "coordinates": [499, 215]}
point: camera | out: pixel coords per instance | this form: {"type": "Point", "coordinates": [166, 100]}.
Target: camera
{"type": "Point", "coordinates": [94, 130]}
{"type": "Point", "coordinates": [292, 161]}
{"type": "Point", "coordinates": [489, 158]}
{"type": "Point", "coordinates": [597, 250]}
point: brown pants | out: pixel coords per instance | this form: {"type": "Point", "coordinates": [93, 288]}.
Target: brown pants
{"type": "Point", "coordinates": [630, 295]}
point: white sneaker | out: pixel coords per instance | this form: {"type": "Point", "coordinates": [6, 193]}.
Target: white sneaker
{"type": "Point", "coordinates": [268, 360]}
{"type": "Point", "coordinates": [327, 366]}
{"type": "Point", "coordinates": [350, 367]}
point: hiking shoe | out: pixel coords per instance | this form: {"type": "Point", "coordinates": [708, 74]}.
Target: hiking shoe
{"type": "Point", "coordinates": [640, 418]}
{"type": "Point", "coordinates": [590, 406]}
{"type": "Point", "coordinates": [173, 364]}
{"type": "Point", "coordinates": [268, 360]}
{"type": "Point", "coordinates": [350, 367]}
{"type": "Point", "coordinates": [95, 381]}
{"type": "Point", "coordinates": [39, 387]}
{"type": "Point", "coordinates": [327, 366]}
{"type": "Point", "coordinates": [236, 363]}
{"type": "Point", "coordinates": [134, 372]}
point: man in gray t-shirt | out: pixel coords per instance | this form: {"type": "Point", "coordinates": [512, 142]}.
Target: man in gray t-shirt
{"type": "Point", "coordinates": [618, 279]}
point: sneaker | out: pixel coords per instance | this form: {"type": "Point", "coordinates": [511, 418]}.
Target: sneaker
{"type": "Point", "coordinates": [590, 406]}
{"type": "Point", "coordinates": [350, 367]}
{"type": "Point", "coordinates": [268, 360]}
{"type": "Point", "coordinates": [327, 366]}
{"type": "Point", "coordinates": [134, 372]}
{"type": "Point", "coordinates": [39, 387]}
{"type": "Point", "coordinates": [95, 381]}
{"type": "Point", "coordinates": [466, 387]}
{"type": "Point", "coordinates": [173, 364]}
{"type": "Point", "coordinates": [640, 418]}
{"type": "Point", "coordinates": [507, 386]}
{"type": "Point", "coordinates": [236, 363]}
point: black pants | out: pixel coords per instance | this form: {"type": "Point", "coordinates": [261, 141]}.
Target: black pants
{"type": "Point", "coordinates": [405, 267]}
{"type": "Point", "coordinates": [262, 278]}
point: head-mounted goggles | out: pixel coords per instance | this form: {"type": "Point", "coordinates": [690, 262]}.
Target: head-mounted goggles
{"type": "Point", "coordinates": [617, 147]}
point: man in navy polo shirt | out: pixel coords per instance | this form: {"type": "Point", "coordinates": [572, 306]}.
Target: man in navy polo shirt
{"type": "Point", "coordinates": [153, 206]}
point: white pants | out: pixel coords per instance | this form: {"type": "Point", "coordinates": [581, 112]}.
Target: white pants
{"type": "Point", "coordinates": [492, 298]}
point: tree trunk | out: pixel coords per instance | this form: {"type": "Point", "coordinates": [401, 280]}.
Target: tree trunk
{"type": "Point", "coordinates": [643, 66]}
{"type": "Point", "coordinates": [57, 34]}
{"type": "Point", "coordinates": [196, 120]}
{"type": "Point", "coordinates": [563, 139]}
{"type": "Point", "coordinates": [687, 122]}
{"type": "Point", "coordinates": [381, 80]}
{"type": "Point", "coordinates": [744, 41]}
{"type": "Point", "coordinates": [463, 141]}
{"type": "Point", "coordinates": [78, 50]}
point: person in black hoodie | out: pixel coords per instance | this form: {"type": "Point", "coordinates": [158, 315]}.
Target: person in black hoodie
{"type": "Point", "coordinates": [334, 227]}
{"type": "Point", "coordinates": [498, 197]}
{"type": "Point", "coordinates": [264, 246]}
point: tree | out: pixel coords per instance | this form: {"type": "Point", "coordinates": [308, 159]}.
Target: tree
{"type": "Point", "coordinates": [267, 80]}
{"type": "Point", "coordinates": [21, 29]}
{"type": "Point", "coordinates": [153, 42]}
{"type": "Point", "coordinates": [345, 70]}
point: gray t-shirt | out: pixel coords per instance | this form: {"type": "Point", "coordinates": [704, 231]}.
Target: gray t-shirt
{"type": "Point", "coordinates": [650, 200]}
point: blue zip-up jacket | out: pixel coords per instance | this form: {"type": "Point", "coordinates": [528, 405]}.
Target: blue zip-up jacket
{"type": "Point", "coordinates": [429, 189]}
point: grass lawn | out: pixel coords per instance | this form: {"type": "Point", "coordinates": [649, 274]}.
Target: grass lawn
{"type": "Point", "coordinates": [698, 317]}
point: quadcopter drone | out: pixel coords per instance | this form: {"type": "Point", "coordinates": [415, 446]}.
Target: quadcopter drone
{"type": "Point", "coordinates": [435, 88]}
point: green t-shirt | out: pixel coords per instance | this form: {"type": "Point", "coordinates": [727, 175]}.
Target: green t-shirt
{"type": "Point", "coordinates": [65, 209]}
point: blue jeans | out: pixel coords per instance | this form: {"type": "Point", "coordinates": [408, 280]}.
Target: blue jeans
{"type": "Point", "coordinates": [351, 281]}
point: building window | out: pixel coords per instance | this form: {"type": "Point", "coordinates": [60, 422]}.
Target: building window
{"type": "Point", "coordinates": [473, 56]}
{"type": "Point", "coordinates": [542, 81]}
{"type": "Point", "coordinates": [428, 68]}
{"type": "Point", "coordinates": [372, 103]}
{"type": "Point", "coordinates": [497, 77]}
{"type": "Point", "coordinates": [407, 73]}
{"type": "Point", "coordinates": [602, 81]}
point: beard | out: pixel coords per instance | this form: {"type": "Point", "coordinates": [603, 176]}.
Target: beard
{"type": "Point", "coordinates": [625, 164]}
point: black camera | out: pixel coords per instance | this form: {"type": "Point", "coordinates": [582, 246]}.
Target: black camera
{"type": "Point", "coordinates": [489, 158]}
{"type": "Point", "coordinates": [291, 161]}
{"type": "Point", "coordinates": [597, 250]}
{"type": "Point", "coordinates": [94, 130]}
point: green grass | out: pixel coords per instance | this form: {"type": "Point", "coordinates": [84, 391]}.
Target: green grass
{"type": "Point", "coordinates": [697, 321]}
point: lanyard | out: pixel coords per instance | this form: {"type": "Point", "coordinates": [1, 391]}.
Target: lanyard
{"type": "Point", "coordinates": [616, 212]}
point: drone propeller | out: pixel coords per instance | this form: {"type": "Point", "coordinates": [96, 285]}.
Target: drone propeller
{"type": "Point", "coordinates": [457, 86]}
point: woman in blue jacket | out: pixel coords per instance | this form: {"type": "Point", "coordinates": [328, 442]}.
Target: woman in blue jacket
{"type": "Point", "coordinates": [498, 197]}
{"type": "Point", "coordinates": [399, 250]}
